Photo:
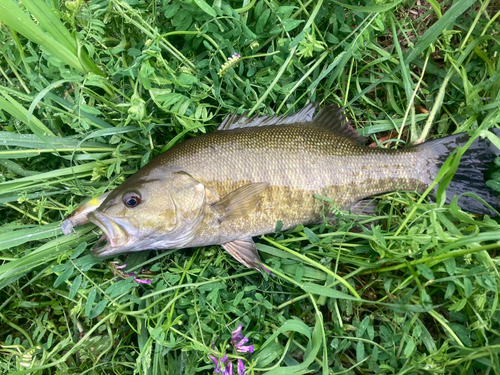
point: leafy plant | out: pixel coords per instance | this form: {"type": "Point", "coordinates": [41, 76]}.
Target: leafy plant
{"type": "Point", "coordinates": [90, 91]}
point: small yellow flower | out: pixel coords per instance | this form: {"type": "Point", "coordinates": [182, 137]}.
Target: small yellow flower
{"type": "Point", "coordinates": [74, 6]}
{"type": "Point", "coordinates": [468, 258]}
{"type": "Point", "coordinates": [309, 45]}
{"type": "Point", "coordinates": [231, 61]}
{"type": "Point", "coordinates": [137, 110]}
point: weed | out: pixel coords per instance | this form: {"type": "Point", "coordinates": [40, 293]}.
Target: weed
{"type": "Point", "coordinates": [90, 91]}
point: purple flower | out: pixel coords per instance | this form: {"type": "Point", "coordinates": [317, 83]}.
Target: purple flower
{"type": "Point", "coordinates": [217, 364]}
{"type": "Point", "coordinates": [237, 336]}
{"type": "Point", "coordinates": [241, 368]}
{"type": "Point", "coordinates": [238, 341]}
{"type": "Point", "coordinates": [236, 55]}
{"type": "Point", "coordinates": [120, 267]}
{"type": "Point", "coordinates": [225, 367]}
{"type": "Point", "coordinates": [244, 349]}
{"type": "Point", "coordinates": [137, 280]}
{"type": "Point", "coordinates": [220, 365]}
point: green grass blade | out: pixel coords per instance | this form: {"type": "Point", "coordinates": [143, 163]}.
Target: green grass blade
{"type": "Point", "coordinates": [51, 24]}
{"type": "Point", "coordinates": [16, 238]}
{"type": "Point", "coordinates": [12, 16]}
{"type": "Point", "coordinates": [13, 107]}
{"type": "Point", "coordinates": [11, 271]}
{"type": "Point", "coordinates": [425, 41]}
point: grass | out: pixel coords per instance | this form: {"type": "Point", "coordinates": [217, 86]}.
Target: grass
{"type": "Point", "coordinates": [91, 91]}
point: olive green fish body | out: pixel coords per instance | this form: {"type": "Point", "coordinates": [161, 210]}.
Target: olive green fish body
{"type": "Point", "coordinates": [237, 182]}
{"type": "Point", "coordinates": [298, 161]}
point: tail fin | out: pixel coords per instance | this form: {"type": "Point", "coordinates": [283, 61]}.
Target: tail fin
{"type": "Point", "coordinates": [470, 175]}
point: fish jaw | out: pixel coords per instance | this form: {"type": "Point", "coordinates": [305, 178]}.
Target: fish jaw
{"type": "Point", "coordinates": [119, 235]}
{"type": "Point", "coordinates": [79, 216]}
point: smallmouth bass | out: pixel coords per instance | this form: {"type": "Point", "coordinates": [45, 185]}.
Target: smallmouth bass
{"type": "Point", "coordinates": [225, 187]}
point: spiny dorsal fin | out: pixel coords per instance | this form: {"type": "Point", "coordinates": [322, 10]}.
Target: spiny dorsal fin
{"type": "Point", "coordinates": [234, 121]}
{"type": "Point", "coordinates": [331, 118]}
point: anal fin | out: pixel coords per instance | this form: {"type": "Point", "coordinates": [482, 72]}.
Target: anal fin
{"type": "Point", "coordinates": [245, 252]}
{"type": "Point", "coordinates": [364, 207]}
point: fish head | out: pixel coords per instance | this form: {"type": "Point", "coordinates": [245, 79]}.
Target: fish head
{"type": "Point", "coordinates": [149, 213]}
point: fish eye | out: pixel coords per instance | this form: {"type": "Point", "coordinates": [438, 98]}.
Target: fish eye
{"type": "Point", "coordinates": [131, 199]}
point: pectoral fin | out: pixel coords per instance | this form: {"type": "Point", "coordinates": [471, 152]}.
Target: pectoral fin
{"type": "Point", "coordinates": [245, 252]}
{"type": "Point", "coordinates": [240, 202]}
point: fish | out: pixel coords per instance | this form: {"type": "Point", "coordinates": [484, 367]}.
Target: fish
{"type": "Point", "coordinates": [235, 183]}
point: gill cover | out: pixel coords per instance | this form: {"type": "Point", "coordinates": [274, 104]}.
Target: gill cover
{"type": "Point", "coordinates": [188, 196]}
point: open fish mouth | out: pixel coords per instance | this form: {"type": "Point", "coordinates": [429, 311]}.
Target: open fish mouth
{"type": "Point", "coordinates": [116, 236]}
{"type": "Point", "coordinates": [79, 216]}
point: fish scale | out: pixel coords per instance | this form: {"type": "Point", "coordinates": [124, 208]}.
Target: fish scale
{"type": "Point", "coordinates": [237, 182]}
{"type": "Point", "coordinates": [298, 162]}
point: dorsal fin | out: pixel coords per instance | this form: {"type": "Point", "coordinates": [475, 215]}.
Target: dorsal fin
{"type": "Point", "coordinates": [330, 117]}
{"type": "Point", "coordinates": [334, 119]}
{"type": "Point", "coordinates": [234, 121]}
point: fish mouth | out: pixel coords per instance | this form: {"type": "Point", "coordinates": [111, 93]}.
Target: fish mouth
{"type": "Point", "coordinates": [79, 215]}
{"type": "Point", "coordinates": [117, 235]}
